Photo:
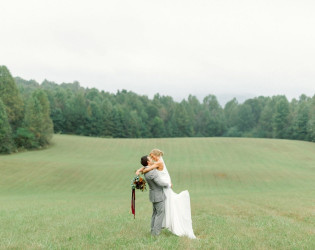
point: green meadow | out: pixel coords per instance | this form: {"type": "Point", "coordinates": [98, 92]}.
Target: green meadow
{"type": "Point", "coordinates": [245, 194]}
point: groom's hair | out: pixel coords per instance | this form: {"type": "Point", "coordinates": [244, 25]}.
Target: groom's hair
{"type": "Point", "coordinates": [144, 161]}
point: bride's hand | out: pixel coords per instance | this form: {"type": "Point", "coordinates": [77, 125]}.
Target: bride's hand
{"type": "Point", "coordinates": [137, 172]}
{"type": "Point", "coordinates": [171, 185]}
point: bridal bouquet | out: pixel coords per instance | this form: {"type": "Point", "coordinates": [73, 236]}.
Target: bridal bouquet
{"type": "Point", "coordinates": [138, 183]}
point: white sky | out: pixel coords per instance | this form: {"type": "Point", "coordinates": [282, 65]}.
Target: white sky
{"type": "Point", "coordinates": [241, 48]}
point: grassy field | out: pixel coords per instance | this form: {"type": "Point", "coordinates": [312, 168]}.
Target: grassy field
{"type": "Point", "coordinates": [245, 194]}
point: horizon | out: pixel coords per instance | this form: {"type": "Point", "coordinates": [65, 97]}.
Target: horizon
{"type": "Point", "coordinates": [222, 98]}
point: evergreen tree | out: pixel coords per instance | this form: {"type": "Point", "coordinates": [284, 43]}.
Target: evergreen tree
{"type": "Point", "coordinates": [257, 104]}
{"type": "Point", "coordinates": [194, 110]}
{"type": "Point", "coordinates": [167, 114]}
{"type": "Point", "coordinates": [6, 141]}
{"type": "Point", "coordinates": [231, 113]}
{"type": "Point", "coordinates": [59, 98]}
{"type": "Point", "coordinates": [213, 121]}
{"type": "Point", "coordinates": [116, 123]}
{"type": "Point", "coordinates": [11, 98]}
{"type": "Point", "coordinates": [265, 124]}
{"type": "Point", "coordinates": [246, 119]}
{"type": "Point", "coordinates": [38, 127]}
{"type": "Point", "coordinates": [77, 114]}
{"type": "Point", "coordinates": [106, 109]}
{"type": "Point", "coordinates": [280, 117]}
{"type": "Point", "coordinates": [183, 122]}
{"type": "Point", "coordinates": [299, 118]}
{"type": "Point", "coordinates": [134, 123]}
{"type": "Point", "coordinates": [95, 124]}
{"type": "Point", "coordinates": [157, 127]}
{"type": "Point", "coordinates": [47, 124]}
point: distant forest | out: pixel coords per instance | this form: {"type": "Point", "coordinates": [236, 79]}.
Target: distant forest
{"type": "Point", "coordinates": [30, 112]}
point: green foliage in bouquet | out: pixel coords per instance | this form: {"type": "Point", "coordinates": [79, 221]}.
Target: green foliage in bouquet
{"type": "Point", "coordinates": [138, 182]}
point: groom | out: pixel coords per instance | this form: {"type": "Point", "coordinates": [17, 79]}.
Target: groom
{"type": "Point", "coordinates": [157, 197]}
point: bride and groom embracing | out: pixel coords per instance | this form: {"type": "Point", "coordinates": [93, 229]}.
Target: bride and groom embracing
{"type": "Point", "coordinates": [170, 210]}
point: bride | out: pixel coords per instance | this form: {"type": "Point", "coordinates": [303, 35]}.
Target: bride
{"type": "Point", "coordinates": [177, 206]}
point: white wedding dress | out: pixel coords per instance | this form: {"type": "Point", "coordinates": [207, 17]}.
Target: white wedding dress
{"type": "Point", "coordinates": [177, 209]}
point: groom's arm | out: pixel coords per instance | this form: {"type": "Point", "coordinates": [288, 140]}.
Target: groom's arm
{"type": "Point", "coordinates": [155, 177]}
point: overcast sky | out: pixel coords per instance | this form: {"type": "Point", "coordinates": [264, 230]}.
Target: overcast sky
{"type": "Point", "coordinates": [241, 48]}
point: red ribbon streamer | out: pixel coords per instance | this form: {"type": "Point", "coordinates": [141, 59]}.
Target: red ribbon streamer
{"type": "Point", "coordinates": [133, 203]}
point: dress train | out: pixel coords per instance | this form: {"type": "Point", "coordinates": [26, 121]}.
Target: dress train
{"type": "Point", "coordinates": [177, 209]}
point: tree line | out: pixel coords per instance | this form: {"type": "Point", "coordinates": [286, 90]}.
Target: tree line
{"type": "Point", "coordinates": [90, 112]}
{"type": "Point", "coordinates": [24, 122]}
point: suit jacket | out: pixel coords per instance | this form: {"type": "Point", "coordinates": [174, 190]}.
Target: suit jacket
{"type": "Point", "coordinates": [156, 186]}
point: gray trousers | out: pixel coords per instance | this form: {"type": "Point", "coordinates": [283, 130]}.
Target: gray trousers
{"type": "Point", "coordinates": [157, 217]}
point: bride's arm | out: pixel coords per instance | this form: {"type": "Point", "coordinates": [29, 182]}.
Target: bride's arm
{"type": "Point", "coordinates": [139, 170]}
{"type": "Point", "coordinates": [153, 166]}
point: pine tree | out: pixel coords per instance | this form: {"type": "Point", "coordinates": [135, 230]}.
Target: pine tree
{"type": "Point", "coordinates": [6, 141]}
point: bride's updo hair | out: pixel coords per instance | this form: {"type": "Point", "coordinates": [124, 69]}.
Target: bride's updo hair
{"type": "Point", "coordinates": [157, 152]}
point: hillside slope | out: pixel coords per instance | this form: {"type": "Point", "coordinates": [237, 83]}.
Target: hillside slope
{"type": "Point", "coordinates": [245, 194]}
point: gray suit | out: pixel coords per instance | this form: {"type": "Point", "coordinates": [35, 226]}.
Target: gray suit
{"type": "Point", "coordinates": [157, 198]}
